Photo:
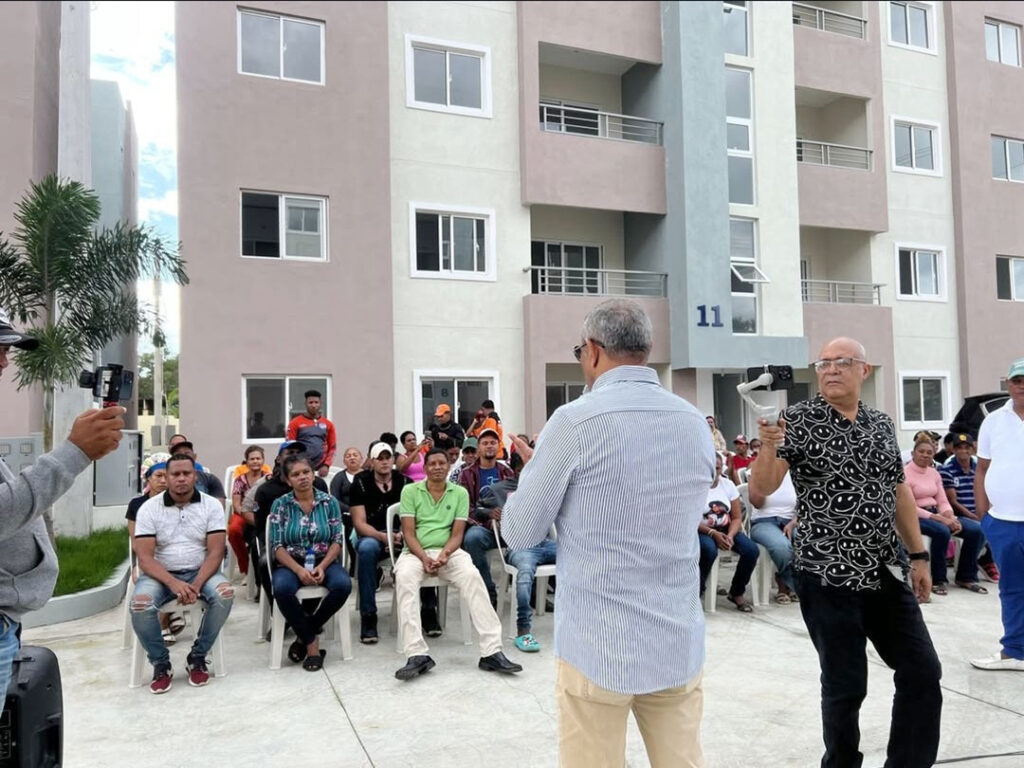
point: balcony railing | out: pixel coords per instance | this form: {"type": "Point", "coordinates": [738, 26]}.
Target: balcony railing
{"type": "Point", "coordinates": [837, 155]}
{"type": "Point", "coordinates": [840, 292]}
{"type": "Point", "coordinates": [829, 21]}
{"type": "Point", "coordinates": [597, 282]}
{"type": "Point", "coordinates": [581, 121]}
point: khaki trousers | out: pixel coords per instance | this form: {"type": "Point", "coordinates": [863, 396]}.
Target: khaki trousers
{"type": "Point", "coordinates": [592, 723]}
{"type": "Point", "coordinates": [459, 571]}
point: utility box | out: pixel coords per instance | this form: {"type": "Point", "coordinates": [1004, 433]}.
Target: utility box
{"type": "Point", "coordinates": [21, 452]}
{"type": "Point", "coordinates": [116, 476]}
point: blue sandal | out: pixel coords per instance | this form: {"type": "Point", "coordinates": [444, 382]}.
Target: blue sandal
{"type": "Point", "coordinates": [527, 643]}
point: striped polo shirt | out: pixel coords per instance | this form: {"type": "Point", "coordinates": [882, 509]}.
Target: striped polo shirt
{"type": "Point", "coordinates": [623, 472]}
{"type": "Point", "coordinates": [961, 481]}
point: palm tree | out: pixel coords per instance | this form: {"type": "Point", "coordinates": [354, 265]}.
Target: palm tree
{"type": "Point", "coordinates": [75, 284]}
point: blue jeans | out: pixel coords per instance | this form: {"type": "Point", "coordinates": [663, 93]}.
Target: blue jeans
{"type": "Point", "coordinates": [525, 561]}
{"type": "Point", "coordinates": [476, 541]}
{"type": "Point", "coordinates": [150, 594]}
{"type": "Point", "coordinates": [286, 587]}
{"type": "Point", "coordinates": [767, 531]}
{"type": "Point", "coordinates": [9, 644]}
{"type": "Point", "coordinates": [742, 546]}
{"type": "Point", "coordinates": [973, 539]}
{"type": "Point", "coordinates": [369, 552]}
{"type": "Point", "coordinates": [1006, 540]}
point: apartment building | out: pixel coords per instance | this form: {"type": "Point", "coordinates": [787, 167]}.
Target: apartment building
{"type": "Point", "coordinates": [408, 204]}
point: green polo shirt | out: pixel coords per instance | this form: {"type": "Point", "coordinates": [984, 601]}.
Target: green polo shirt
{"type": "Point", "coordinates": [434, 520]}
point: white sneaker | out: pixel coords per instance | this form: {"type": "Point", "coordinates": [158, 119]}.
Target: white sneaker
{"type": "Point", "coordinates": [997, 662]}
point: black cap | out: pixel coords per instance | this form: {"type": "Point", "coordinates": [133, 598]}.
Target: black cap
{"type": "Point", "coordinates": [12, 338]}
{"type": "Point", "coordinates": [963, 438]}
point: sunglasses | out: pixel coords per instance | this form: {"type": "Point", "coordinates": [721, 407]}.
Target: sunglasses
{"type": "Point", "coordinates": [577, 351]}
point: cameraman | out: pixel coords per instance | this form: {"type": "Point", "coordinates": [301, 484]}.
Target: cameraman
{"type": "Point", "coordinates": [28, 564]}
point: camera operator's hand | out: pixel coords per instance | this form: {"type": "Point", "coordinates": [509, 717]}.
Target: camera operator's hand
{"type": "Point", "coordinates": [97, 433]}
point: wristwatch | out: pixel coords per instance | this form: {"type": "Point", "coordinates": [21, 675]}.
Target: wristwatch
{"type": "Point", "coordinates": [920, 556]}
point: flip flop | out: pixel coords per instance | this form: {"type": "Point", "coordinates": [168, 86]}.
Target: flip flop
{"type": "Point", "coordinates": [743, 607]}
{"type": "Point", "coordinates": [940, 589]}
{"type": "Point", "coordinates": [972, 586]}
{"type": "Point", "coordinates": [314, 663]}
{"type": "Point", "coordinates": [176, 623]}
{"type": "Point", "coordinates": [297, 652]}
{"type": "Point", "coordinates": [783, 599]}
{"type": "Point", "coordinates": [169, 638]}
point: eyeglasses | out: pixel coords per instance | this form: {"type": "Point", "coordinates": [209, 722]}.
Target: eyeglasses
{"type": "Point", "coordinates": [577, 351]}
{"type": "Point", "coordinates": [840, 363]}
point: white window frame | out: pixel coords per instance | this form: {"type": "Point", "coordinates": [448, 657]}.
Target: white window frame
{"type": "Point", "coordinates": [749, 124]}
{"type": "Point", "coordinates": [1006, 157]}
{"type": "Point", "coordinates": [565, 391]}
{"type": "Point", "coordinates": [457, 374]}
{"type": "Point", "coordinates": [286, 378]}
{"type": "Point", "coordinates": [280, 57]}
{"type": "Point", "coordinates": [448, 46]}
{"type": "Point", "coordinates": [491, 254]}
{"type": "Point", "coordinates": [942, 423]}
{"type": "Point", "coordinates": [999, 37]}
{"type": "Point", "coordinates": [745, 9]}
{"type": "Point", "coordinates": [940, 267]}
{"type": "Point", "coordinates": [913, 122]}
{"type": "Point", "coordinates": [1014, 296]}
{"type": "Point", "coordinates": [282, 224]}
{"type": "Point", "coordinates": [930, 15]}
{"type": "Point", "coordinates": [756, 293]}
{"type": "Point", "coordinates": [598, 272]}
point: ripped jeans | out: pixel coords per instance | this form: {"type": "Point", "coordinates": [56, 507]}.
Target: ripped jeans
{"type": "Point", "coordinates": [217, 593]}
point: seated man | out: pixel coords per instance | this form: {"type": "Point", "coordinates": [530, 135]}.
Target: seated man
{"type": "Point", "coordinates": [206, 481]}
{"type": "Point", "coordinates": [468, 457]}
{"type": "Point", "coordinates": [958, 482]}
{"type": "Point", "coordinates": [433, 516]}
{"type": "Point", "coordinates": [525, 561]}
{"type": "Point", "coordinates": [772, 521]}
{"type": "Point", "coordinates": [180, 540]}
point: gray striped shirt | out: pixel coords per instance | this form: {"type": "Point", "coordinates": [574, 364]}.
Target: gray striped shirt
{"type": "Point", "coordinates": [623, 472]}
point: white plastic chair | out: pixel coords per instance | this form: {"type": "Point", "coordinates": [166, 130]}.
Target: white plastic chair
{"type": "Point", "coordinates": [126, 630]}
{"type": "Point", "coordinates": [342, 619]}
{"type": "Point", "coordinates": [711, 585]}
{"type": "Point", "coordinates": [430, 581]}
{"type": "Point", "coordinates": [231, 567]}
{"type": "Point", "coordinates": [508, 584]}
{"type": "Point", "coordinates": [193, 614]}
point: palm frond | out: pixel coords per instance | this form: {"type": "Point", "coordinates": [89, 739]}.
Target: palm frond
{"type": "Point", "coordinates": [60, 357]}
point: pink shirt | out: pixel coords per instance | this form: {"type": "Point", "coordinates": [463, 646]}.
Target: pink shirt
{"type": "Point", "coordinates": [416, 471]}
{"type": "Point", "coordinates": [926, 485]}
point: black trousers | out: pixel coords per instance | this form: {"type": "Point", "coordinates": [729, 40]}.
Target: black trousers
{"type": "Point", "coordinates": [840, 621]}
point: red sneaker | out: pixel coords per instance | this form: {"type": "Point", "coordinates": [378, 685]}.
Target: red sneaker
{"type": "Point", "coordinates": [197, 673]}
{"type": "Point", "coordinates": [991, 572]}
{"type": "Point", "coordinates": [161, 679]}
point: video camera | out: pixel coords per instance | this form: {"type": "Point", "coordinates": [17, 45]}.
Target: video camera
{"type": "Point", "coordinates": [771, 378]}
{"type": "Point", "coordinates": [111, 384]}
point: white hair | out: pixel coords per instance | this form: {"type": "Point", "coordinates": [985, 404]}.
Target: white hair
{"type": "Point", "coordinates": [621, 326]}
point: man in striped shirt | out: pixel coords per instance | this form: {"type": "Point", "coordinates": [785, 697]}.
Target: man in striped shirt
{"type": "Point", "coordinates": [629, 631]}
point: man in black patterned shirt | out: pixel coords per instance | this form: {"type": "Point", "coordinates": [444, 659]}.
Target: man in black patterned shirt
{"type": "Point", "coordinates": [845, 465]}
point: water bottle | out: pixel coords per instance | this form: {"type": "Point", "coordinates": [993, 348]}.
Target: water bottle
{"type": "Point", "coordinates": [310, 560]}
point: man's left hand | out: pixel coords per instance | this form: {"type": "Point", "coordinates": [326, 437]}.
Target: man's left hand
{"type": "Point", "coordinates": [522, 447]}
{"type": "Point", "coordinates": [323, 470]}
{"type": "Point", "coordinates": [495, 513]}
{"type": "Point", "coordinates": [921, 580]}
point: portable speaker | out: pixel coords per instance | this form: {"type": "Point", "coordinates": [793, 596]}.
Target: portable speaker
{"type": "Point", "coordinates": [32, 723]}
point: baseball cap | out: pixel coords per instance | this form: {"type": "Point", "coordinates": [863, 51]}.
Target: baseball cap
{"type": "Point", "coordinates": [183, 444]}
{"type": "Point", "coordinates": [1016, 368]}
{"type": "Point", "coordinates": [740, 439]}
{"type": "Point", "coordinates": [489, 431]}
{"type": "Point", "coordinates": [469, 442]}
{"type": "Point", "coordinates": [963, 438]}
{"type": "Point", "coordinates": [442, 409]}
{"type": "Point", "coordinates": [12, 338]}
{"type": "Point", "coordinates": [289, 444]}
{"type": "Point", "coordinates": [378, 449]}
{"type": "Point", "coordinates": [153, 462]}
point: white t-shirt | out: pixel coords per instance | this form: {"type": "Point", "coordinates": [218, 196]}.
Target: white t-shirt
{"type": "Point", "coordinates": [782, 503]}
{"type": "Point", "coordinates": [720, 499]}
{"type": "Point", "coordinates": [180, 532]}
{"type": "Point", "coordinates": [1001, 440]}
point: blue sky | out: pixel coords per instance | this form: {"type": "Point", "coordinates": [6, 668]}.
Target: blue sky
{"type": "Point", "coordinates": [133, 44]}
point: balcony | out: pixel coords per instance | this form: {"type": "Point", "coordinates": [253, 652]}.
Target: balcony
{"type": "Point", "coordinates": [836, 155]}
{"type": "Point", "coordinates": [828, 20]}
{"type": "Point", "coordinates": [581, 121]}
{"type": "Point", "coordinates": [597, 282]}
{"type": "Point", "coordinates": [840, 292]}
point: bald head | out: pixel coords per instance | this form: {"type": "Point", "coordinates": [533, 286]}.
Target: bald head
{"type": "Point", "coordinates": [843, 346]}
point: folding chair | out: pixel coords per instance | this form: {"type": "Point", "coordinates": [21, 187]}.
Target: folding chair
{"type": "Point", "coordinates": [508, 584]}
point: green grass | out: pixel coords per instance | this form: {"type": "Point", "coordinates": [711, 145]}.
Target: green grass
{"type": "Point", "coordinates": [89, 562]}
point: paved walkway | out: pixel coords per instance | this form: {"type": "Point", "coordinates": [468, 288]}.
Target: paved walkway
{"type": "Point", "coordinates": [761, 709]}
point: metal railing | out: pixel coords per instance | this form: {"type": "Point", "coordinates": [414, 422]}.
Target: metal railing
{"type": "Point", "coordinates": [837, 155]}
{"type": "Point", "coordinates": [829, 21]}
{"type": "Point", "coordinates": [597, 282]}
{"type": "Point", "coordinates": [840, 292]}
{"type": "Point", "coordinates": [603, 125]}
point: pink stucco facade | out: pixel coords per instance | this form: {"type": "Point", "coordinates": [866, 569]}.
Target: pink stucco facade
{"type": "Point", "coordinates": [984, 101]}
{"type": "Point", "coordinates": [251, 316]}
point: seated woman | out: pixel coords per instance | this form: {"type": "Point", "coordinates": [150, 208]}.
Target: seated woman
{"type": "Point", "coordinates": [411, 463]}
{"type": "Point", "coordinates": [306, 536]}
{"type": "Point", "coordinates": [938, 522]}
{"type": "Point", "coordinates": [720, 529]}
{"type": "Point", "coordinates": [240, 526]}
{"type": "Point", "coordinates": [772, 521]}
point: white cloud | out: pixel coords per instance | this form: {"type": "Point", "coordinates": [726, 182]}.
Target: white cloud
{"type": "Point", "coordinates": [167, 204]}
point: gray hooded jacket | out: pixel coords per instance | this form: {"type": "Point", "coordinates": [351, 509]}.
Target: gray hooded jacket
{"type": "Point", "coordinates": [28, 564]}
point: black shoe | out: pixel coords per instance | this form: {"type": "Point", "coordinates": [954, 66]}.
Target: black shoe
{"type": "Point", "coordinates": [497, 662]}
{"type": "Point", "coordinates": [368, 630]}
{"type": "Point", "coordinates": [431, 626]}
{"type": "Point", "coordinates": [415, 666]}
